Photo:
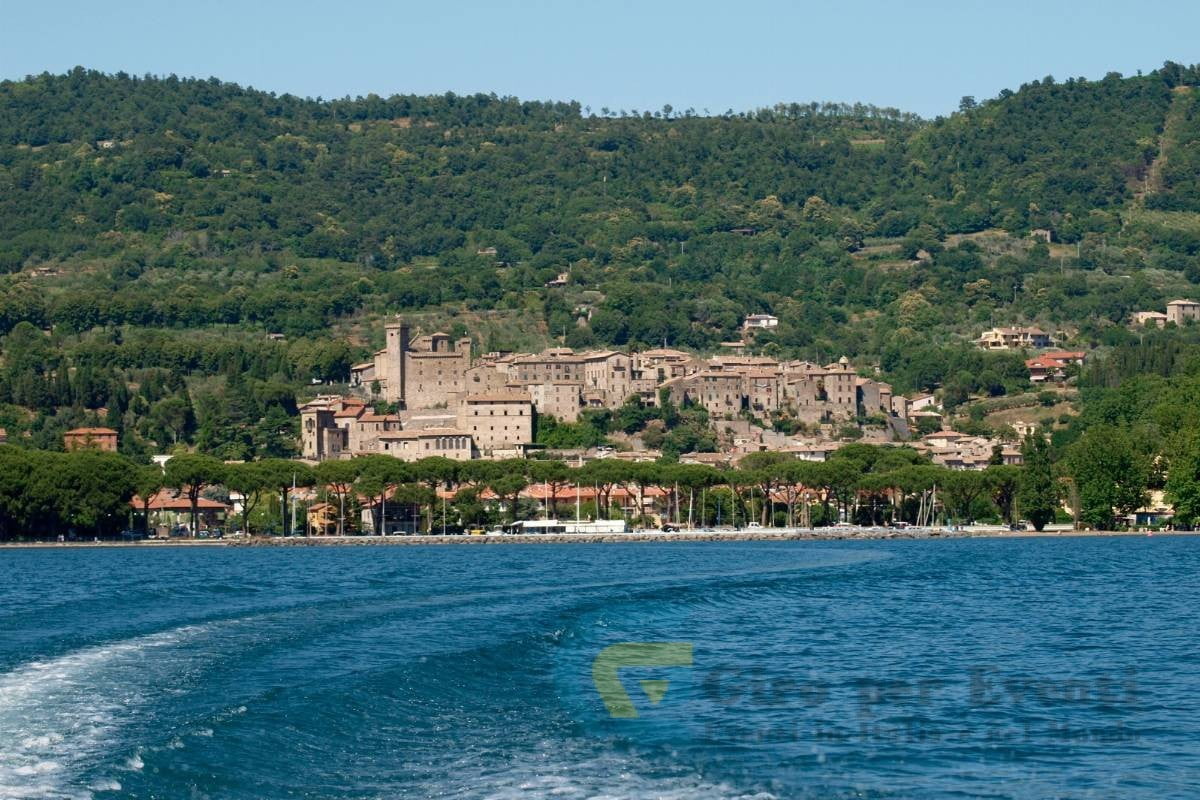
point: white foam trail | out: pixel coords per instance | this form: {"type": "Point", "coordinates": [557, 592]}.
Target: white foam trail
{"type": "Point", "coordinates": [58, 717]}
{"type": "Point", "coordinates": [553, 772]}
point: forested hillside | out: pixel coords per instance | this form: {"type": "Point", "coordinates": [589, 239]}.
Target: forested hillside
{"type": "Point", "coordinates": [160, 227]}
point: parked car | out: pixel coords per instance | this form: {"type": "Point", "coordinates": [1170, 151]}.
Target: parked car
{"type": "Point", "coordinates": [132, 535]}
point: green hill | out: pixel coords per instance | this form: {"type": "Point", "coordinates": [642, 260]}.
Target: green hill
{"type": "Point", "coordinates": [169, 223]}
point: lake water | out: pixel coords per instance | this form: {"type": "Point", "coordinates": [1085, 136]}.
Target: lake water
{"type": "Point", "coordinates": [1029, 668]}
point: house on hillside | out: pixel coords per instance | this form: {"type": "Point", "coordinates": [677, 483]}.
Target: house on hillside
{"type": "Point", "coordinates": [1183, 311]}
{"type": "Point", "coordinates": [1051, 367]}
{"type": "Point", "coordinates": [104, 439]}
{"type": "Point", "coordinates": [1144, 319]}
{"type": "Point", "coordinates": [761, 322]}
{"type": "Point", "coordinates": [1015, 339]}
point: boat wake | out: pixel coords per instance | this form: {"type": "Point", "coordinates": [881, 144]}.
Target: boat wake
{"type": "Point", "coordinates": [60, 717]}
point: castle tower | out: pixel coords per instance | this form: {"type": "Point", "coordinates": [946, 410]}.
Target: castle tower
{"type": "Point", "coordinates": [395, 373]}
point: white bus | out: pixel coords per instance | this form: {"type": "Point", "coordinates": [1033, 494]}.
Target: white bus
{"type": "Point", "coordinates": [534, 526]}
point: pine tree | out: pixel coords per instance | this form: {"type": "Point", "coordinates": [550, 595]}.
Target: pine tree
{"type": "Point", "coordinates": [1037, 494]}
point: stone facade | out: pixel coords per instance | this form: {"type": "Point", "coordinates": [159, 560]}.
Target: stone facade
{"type": "Point", "coordinates": [499, 424]}
{"type": "Point", "coordinates": [423, 372]}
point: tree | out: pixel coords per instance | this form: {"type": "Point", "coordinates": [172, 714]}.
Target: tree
{"type": "Point", "coordinates": [436, 472]}
{"type": "Point", "coordinates": [338, 478]}
{"type": "Point", "coordinates": [507, 481]}
{"type": "Point", "coordinates": [92, 489]}
{"type": "Point", "coordinates": [1037, 490]}
{"type": "Point", "coordinates": [767, 470]}
{"type": "Point", "coordinates": [1003, 483]}
{"type": "Point", "coordinates": [378, 475]}
{"type": "Point", "coordinates": [16, 467]}
{"type": "Point", "coordinates": [148, 481]}
{"type": "Point", "coordinates": [1183, 481]}
{"type": "Point", "coordinates": [960, 490]}
{"type": "Point", "coordinates": [604, 474]}
{"type": "Point", "coordinates": [173, 415]}
{"type": "Point", "coordinates": [555, 476]}
{"type": "Point", "coordinates": [282, 475]}
{"type": "Point", "coordinates": [1112, 472]}
{"type": "Point", "coordinates": [694, 478]}
{"type": "Point", "coordinates": [190, 474]}
{"type": "Point", "coordinates": [248, 480]}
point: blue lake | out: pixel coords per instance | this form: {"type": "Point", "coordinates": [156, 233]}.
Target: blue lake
{"type": "Point", "coordinates": [1029, 668]}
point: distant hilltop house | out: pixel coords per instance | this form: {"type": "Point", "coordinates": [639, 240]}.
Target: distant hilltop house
{"type": "Point", "coordinates": [104, 439]}
{"type": "Point", "coordinates": [562, 279]}
{"type": "Point", "coordinates": [924, 402]}
{"type": "Point", "coordinates": [1142, 319]}
{"type": "Point", "coordinates": [760, 322]}
{"type": "Point", "coordinates": [3, 436]}
{"type": "Point", "coordinates": [1051, 367]}
{"type": "Point", "coordinates": [1179, 312]}
{"type": "Point", "coordinates": [1015, 339]}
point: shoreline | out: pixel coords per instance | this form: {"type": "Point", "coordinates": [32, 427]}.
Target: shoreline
{"type": "Point", "coordinates": [757, 535]}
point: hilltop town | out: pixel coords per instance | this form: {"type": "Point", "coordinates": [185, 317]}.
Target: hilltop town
{"type": "Point", "coordinates": [425, 395]}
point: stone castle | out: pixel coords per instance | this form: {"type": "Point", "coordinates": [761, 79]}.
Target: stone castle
{"type": "Point", "coordinates": [450, 404]}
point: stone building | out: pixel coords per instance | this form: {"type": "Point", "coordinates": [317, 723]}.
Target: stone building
{"type": "Point", "coordinates": [499, 424]}
{"type": "Point", "coordinates": [414, 445]}
{"type": "Point", "coordinates": [1183, 311]}
{"type": "Point", "coordinates": [424, 372]}
{"type": "Point", "coordinates": [104, 439]}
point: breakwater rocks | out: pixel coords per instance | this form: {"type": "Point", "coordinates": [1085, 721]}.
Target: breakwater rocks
{"type": "Point", "coordinates": [750, 535]}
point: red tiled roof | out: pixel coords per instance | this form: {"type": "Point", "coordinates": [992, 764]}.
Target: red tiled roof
{"type": "Point", "coordinates": [168, 500]}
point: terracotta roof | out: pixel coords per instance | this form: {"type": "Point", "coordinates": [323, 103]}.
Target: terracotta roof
{"type": "Point", "coordinates": [91, 432]}
{"type": "Point", "coordinates": [379, 418]}
{"type": "Point", "coordinates": [168, 500]}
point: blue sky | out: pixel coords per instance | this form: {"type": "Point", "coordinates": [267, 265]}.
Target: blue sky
{"type": "Point", "coordinates": [917, 56]}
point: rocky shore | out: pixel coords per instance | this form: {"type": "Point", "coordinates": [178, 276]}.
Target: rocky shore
{"type": "Point", "coordinates": [751, 535]}
{"type": "Point", "coordinates": [748, 535]}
